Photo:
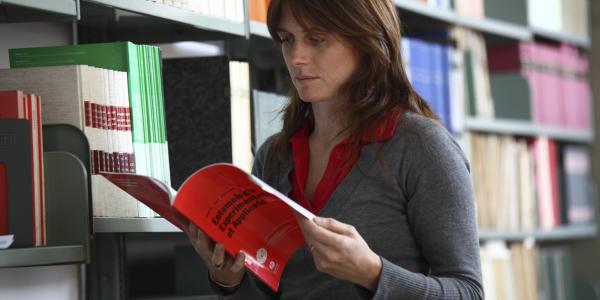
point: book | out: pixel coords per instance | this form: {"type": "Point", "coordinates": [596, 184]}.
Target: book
{"type": "Point", "coordinates": [207, 114]}
{"type": "Point", "coordinates": [233, 208]}
{"type": "Point", "coordinates": [17, 105]}
{"type": "Point", "coordinates": [142, 64]}
{"type": "Point", "coordinates": [95, 101]}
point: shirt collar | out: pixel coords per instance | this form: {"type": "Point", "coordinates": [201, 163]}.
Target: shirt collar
{"type": "Point", "coordinates": [381, 132]}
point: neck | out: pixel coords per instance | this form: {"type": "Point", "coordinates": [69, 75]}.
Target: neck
{"type": "Point", "coordinates": [329, 122]}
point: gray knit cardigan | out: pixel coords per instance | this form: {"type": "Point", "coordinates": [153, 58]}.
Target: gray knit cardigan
{"type": "Point", "coordinates": [412, 201]}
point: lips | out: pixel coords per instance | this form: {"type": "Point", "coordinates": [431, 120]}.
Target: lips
{"type": "Point", "coordinates": [306, 79]}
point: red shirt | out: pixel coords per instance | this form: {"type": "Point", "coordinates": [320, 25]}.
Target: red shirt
{"type": "Point", "coordinates": [336, 170]}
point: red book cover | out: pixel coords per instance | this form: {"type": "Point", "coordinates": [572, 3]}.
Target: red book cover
{"type": "Point", "coordinates": [553, 161]}
{"type": "Point", "coordinates": [234, 208]}
{"type": "Point", "coordinates": [12, 105]}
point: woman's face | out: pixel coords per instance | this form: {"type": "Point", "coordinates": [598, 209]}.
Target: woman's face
{"type": "Point", "coordinates": [319, 62]}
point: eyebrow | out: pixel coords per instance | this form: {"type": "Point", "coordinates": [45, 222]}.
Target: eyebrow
{"type": "Point", "coordinates": [309, 30]}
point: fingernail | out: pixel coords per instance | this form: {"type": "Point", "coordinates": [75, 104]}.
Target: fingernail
{"type": "Point", "coordinates": [318, 220]}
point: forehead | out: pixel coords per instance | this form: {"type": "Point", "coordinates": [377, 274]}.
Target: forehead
{"type": "Point", "coordinates": [297, 21]}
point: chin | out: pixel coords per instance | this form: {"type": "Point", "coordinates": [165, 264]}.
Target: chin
{"type": "Point", "coordinates": [310, 98]}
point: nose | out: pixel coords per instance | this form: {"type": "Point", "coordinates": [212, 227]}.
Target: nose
{"type": "Point", "coordinates": [298, 55]}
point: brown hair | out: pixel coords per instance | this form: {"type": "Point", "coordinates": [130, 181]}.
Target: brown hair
{"type": "Point", "coordinates": [380, 84]}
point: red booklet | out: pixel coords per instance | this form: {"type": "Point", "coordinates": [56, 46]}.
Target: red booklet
{"type": "Point", "coordinates": [234, 208]}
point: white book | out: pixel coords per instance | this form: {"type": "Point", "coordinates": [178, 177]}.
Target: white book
{"type": "Point", "coordinates": [267, 118]}
{"type": "Point", "coordinates": [241, 135]}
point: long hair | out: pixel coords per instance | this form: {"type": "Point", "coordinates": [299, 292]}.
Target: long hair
{"type": "Point", "coordinates": [378, 86]}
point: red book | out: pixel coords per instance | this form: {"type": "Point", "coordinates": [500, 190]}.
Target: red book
{"type": "Point", "coordinates": [234, 208]}
{"type": "Point", "coordinates": [18, 105]}
{"type": "Point", "coordinates": [553, 162]}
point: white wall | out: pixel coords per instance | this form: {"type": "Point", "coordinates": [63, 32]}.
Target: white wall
{"type": "Point", "coordinates": [51, 282]}
{"type": "Point", "coordinates": [48, 283]}
{"type": "Point", "coordinates": [18, 35]}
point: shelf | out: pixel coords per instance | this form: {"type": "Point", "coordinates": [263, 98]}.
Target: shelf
{"type": "Point", "coordinates": [40, 256]}
{"type": "Point", "coordinates": [123, 225]}
{"type": "Point", "coordinates": [496, 27]}
{"type": "Point", "coordinates": [558, 234]}
{"type": "Point", "coordinates": [35, 10]}
{"type": "Point", "coordinates": [178, 15]}
{"type": "Point", "coordinates": [528, 129]}
{"type": "Point", "coordinates": [580, 41]}
{"type": "Point", "coordinates": [489, 26]}
{"type": "Point", "coordinates": [259, 29]}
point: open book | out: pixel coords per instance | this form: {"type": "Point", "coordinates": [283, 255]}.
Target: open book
{"type": "Point", "coordinates": [234, 208]}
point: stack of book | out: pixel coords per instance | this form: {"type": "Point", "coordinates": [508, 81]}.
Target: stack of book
{"type": "Point", "coordinates": [523, 271]}
{"type": "Point", "coordinates": [542, 83]}
{"type": "Point", "coordinates": [22, 198]}
{"type": "Point", "coordinates": [544, 184]}
{"type": "Point", "coordinates": [118, 104]}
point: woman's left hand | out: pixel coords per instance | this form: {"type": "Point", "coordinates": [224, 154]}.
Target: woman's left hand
{"type": "Point", "coordinates": [339, 250]}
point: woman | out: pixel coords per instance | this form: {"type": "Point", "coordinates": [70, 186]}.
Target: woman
{"type": "Point", "coordinates": [361, 149]}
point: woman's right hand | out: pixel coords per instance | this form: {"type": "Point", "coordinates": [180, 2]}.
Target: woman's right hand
{"type": "Point", "coordinates": [224, 269]}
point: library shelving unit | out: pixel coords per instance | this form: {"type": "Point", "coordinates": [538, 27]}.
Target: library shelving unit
{"type": "Point", "coordinates": [259, 29]}
{"type": "Point", "coordinates": [151, 9]}
{"type": "Point", "coordinates": [522, 128]}
{"type": "Point", "coordinates": [68, 236]}
{"type": "Point", "coordinates": [132, 225]}
{"type": "Point", "coordinates": [32, 10]}
{"type": "Point", "coordinates": [144, 17]}
{"type": "Point", "coordinates": [557, 234]}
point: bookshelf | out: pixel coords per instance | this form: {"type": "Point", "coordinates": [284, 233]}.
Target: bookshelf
{"type": "Point", "coordinates": [42, 256]}
{"type": "Point", "coordinates": [522, 128]}
{"type": "Point", "coordinates": [487, 25]}
{"type": "Point", "coordinates": [185, 17]}
{"type": "Point", "coordinates": [142, 13]}
{"type": "Point", "coordinates": [128, 225]}
{"type": "Point", "coordinates": [259, 29]}
{"type": "Point", "coordinates": [32, 10]}
{"type": "Point", "coordinates": [564, 233]}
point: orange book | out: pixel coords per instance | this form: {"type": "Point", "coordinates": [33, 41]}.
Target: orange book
{"type": "Point", "coordinates": [254, 10]}
{"type": "Point", "coordinates": [234, 208]}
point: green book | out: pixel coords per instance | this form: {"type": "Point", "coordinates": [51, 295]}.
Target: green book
{"type": "Point", "coordinates": [512, 96]}
{"type": "Point", "coordinates": [120, 56]}
{"type": "Point", "coordinates": [143, 66]}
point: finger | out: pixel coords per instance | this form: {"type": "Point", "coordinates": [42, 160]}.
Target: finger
{"type": "Point", "coordinates": [335, 226]}
{"type": "Point", "coordinates": [181, 222]}
{"type": "Point", "coordinates": [315, 235]}
{"type": "Point", "coordinates": [238, 264]}
{"type": "Point", "coordinates": [218, 257]}
{"type": "Point", "coordinates": [204, 241]}
{"type": "Point", "coordinates": [192, 230]}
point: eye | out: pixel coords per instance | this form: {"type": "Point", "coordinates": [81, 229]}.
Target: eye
{"type": "Point", "coordinates": [286, 39]}
{"type": "Point", "coordinates": [315, 40]}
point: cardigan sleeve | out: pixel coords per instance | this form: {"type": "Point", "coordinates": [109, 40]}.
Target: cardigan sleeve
{"type": "Point", "coordinates": [441, 214]}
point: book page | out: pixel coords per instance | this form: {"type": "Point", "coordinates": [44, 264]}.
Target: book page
{"type": "Point", "coordinates": [245, 215]}
{"type": "Point", "coordinates": [150, 191]}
